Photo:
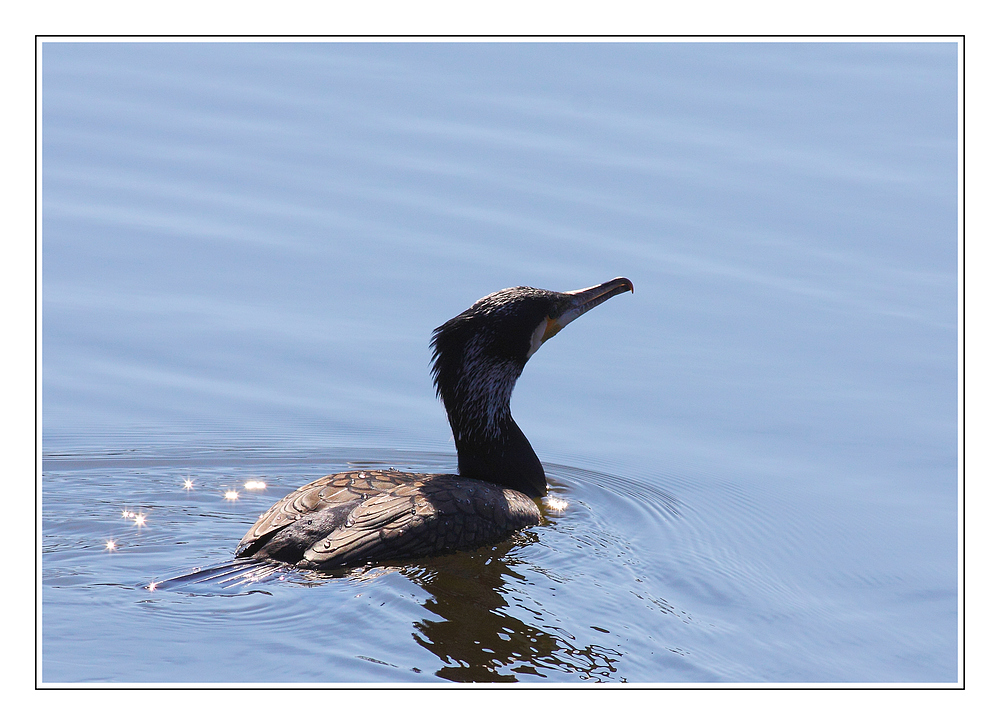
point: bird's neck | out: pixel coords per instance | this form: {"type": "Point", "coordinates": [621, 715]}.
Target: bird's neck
{"type": "Point", "coordinates": [476, 394]}
{"type": "Point", "coordinates": [502, 456]}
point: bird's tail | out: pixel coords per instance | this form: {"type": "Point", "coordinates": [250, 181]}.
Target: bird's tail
{"type": "Point", "coordinates": [219, 578]}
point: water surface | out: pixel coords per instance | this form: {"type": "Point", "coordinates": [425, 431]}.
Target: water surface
{"type": "Point", "coordinates": [245, 248]}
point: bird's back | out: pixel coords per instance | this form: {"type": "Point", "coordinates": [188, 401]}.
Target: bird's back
{"type": "Point", "coordinates": [351, 518]}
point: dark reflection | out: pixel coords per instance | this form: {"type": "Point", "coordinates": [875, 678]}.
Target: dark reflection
{"type": "Point", "coordinates": [478, 639]}
{"type": "Point", "coordinates": [473, 597]}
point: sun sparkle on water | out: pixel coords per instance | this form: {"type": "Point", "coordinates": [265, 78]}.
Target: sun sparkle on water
{"type": "Point", "coordinates": [557, 505]}
{"type": "Point", "coordinates": [232, 495]}
{"type": "Point", "coordinates": [254, 485]}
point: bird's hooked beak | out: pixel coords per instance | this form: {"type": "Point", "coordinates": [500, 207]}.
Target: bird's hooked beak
{"type": "Point", "coordinates": [575, 303]}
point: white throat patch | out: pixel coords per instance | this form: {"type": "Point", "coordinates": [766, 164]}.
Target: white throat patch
{"type": "Point", "coordinates": [538, 337]}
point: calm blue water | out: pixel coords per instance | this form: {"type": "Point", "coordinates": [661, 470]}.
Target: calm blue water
{"type": "Point", "coordinates": [245, 248]}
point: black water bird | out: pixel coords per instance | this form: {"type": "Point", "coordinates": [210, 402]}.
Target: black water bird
{"type": "Point", "coordinates": [358, 517]}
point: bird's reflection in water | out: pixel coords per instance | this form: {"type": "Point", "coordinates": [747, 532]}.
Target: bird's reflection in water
{"type": "Point", "coordinates": [476, 602]}
{"type": "Point", "coordinates": [476, 633]}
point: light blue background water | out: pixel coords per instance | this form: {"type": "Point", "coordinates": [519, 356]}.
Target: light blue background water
{"type": "Point", "coordinates": [245, 248]}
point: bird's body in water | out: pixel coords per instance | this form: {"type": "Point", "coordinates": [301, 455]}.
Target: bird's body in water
{"type": "Point", "coordinates": [358, 517]}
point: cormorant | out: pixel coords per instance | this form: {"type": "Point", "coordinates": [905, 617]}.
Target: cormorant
{"type": "Point", "coordinates": [358, 517]}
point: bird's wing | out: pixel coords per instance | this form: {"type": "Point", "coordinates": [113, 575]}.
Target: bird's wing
{"type": "Point", "coordinates": [338, 489]}
{"type": "Point", "coordinates": [440, 514]}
